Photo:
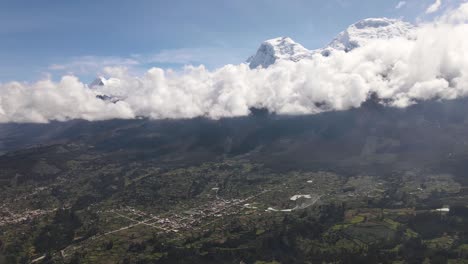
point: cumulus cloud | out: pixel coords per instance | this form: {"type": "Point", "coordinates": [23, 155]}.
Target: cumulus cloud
{"type": "Point", "coordinates": [63, 100]}
{"type": "Point", "coordinates": [431, 65]}
{"type": "Point", "coordinates": [434, 7]}
{"type": "Point", "coordinates": [400, 4]}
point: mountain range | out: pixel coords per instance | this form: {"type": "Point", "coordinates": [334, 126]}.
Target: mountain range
{"type": "Point", "coordinates": [285, 48]}
{"type": "Point", "coordinates": [356, 35]}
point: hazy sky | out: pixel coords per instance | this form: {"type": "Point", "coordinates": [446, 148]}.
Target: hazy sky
{"type": "Point", "coordinates": [55, 37]}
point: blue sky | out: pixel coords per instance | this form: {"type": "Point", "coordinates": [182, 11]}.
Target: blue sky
{"type": "Point", "coordinates": [55, 37]}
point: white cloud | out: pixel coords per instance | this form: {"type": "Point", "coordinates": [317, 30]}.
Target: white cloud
{"type": "Point", "coordinates": [432, 65]}
{"type": "Point", "coordinates": [63, 100]}
{"type": "Point", "coordinates": [434, 7]}
{"type": "Point", "coordinates": [458, 15]}
{"type": "Point", "coordinates": [91, 64]}
{"type": "Point", "coordinates": [400, 4]}
{"type": "Point", "coordinates": [211, 56]}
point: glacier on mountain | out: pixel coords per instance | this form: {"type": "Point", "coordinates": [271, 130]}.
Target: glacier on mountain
{"type": "Point", "coordinates": [356, 35]}
{"type": "Point", "coordinates": [282, 48]}
{"type": "Point", "coordinates": [366, 30]}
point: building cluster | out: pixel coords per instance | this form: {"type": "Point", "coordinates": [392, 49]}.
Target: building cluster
{"type": "Point", "coordinates": [188, 220]}
{"type": "Point", "coordinates": [7, 217]}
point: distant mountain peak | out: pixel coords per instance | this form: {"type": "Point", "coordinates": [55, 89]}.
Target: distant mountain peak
{"type": "Point", "coordinates": [365, 30]}
{"type": "Point", "coordinates": [356, 35]}
{"type": "Point", "coordinates": [99, 81]}
{"type": "Point", "coordinates": [102, 83]}
{"type": "Point", "coordinates": [282, 48]}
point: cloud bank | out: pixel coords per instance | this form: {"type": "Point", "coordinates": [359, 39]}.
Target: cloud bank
{"type": "Point", "coordinates": [432, 65]}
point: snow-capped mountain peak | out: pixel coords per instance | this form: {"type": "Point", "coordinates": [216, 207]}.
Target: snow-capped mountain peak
{"type": "Point", "coordinates": [361, 32]}
{"type": "Point", "coordinates": [101, 81]}
{"type": "Point", "coordinates": [103, 88]}
{"type": "Point", "coordinates": [356, 35]}
{"type": "Point", "coordinates": [282, 48]}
